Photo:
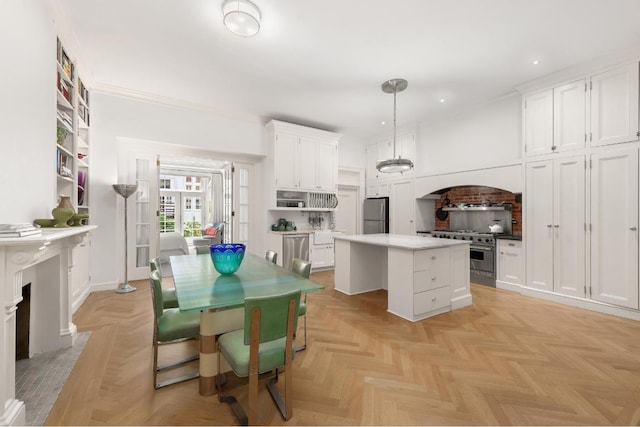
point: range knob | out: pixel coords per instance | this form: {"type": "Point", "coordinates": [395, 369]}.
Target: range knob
{"type": "Point", "coordinates": [488, 240]}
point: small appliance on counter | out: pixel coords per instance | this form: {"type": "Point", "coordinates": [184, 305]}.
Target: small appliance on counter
{"type": "Point", "coordinates": [284, 225]}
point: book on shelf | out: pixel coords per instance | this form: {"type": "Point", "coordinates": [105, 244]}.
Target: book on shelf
{"type": "Point", "coordinates": [16, 227]}
{"type": "Point", "coordinates": [25, 233]}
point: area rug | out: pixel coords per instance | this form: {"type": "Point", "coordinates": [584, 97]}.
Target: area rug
{"type": "Point", "coordinates": [40, 379]}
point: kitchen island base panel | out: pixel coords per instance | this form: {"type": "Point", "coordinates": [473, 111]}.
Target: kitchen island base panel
{"type": "Point", "coordinates": [423, 277]}
{"type": "Point", "coordinates": [362, 268]}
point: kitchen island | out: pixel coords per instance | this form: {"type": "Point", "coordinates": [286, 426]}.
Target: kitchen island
{"type": "Point", "coordinates": [423, 276]}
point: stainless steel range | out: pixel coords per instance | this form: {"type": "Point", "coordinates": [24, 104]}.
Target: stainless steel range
{"type": "Point", "coordinates": [482, 253]}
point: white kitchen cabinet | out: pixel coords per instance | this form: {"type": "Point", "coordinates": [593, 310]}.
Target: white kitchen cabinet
{"type": "Point", "coordinates": [509, 261]}
{"type": "Point", "coordinates": [538, 122]}
{"type": "Point", "coordinates": [554, 119]}
{"type": "Point", "coordinates": [304, 160]}
{"type": "Point", "coordinates": [555, 225]}
{"type": "Point", "coordinates": [285, 156]}
{"type": "Point", "coordinates": [614, 106]}
{"type": "Point", "coordinates": [614, 221]}
{"type": "Point", "coordinates": [318, 165]}
{"type": "Point", "coordinates": [401, 207]}
{"type": "Point", "coordinates": [569, 116]}
{"type": "Point", "coordinates": [321, 256]}
{"type": "Point", "coordinates": [377, 188]}
{"type": "Point", "coordinates": [321, 250]}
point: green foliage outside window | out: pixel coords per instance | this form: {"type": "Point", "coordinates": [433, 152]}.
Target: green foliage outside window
{"type": "Point", "coordinates": [167, 225]}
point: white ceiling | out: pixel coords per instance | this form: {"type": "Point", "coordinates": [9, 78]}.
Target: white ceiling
{"type": "Point", "coordinates": [321, 62]}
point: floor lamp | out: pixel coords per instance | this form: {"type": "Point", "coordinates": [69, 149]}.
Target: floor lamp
{"type": "Point", "coordinates": [125, 190]}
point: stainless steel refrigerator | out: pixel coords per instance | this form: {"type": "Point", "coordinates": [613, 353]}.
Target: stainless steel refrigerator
{"type": "Point", "coordinates": [376, 215]}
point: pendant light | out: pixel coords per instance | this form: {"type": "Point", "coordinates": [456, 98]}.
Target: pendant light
{"type": "Point", "coordinates": [395, 164]}
{"type": "Point", "coordinates": [241, 17]}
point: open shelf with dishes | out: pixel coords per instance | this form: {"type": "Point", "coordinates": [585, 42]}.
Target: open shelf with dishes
{"type": "Point", "coordinates": [72, 132]}
{"type": "Point", "coordinates": [305, 201]}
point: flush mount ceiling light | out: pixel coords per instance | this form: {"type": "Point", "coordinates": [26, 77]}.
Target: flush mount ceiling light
{"type": "Point", "coordinates": [395, 164]}
{"type": "Point", "coordinates": [241, 17]}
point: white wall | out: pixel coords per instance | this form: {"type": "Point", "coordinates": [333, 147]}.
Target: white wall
{"type": "Point", "coordinates": [120, 118]}
{"type": "Point", "coordinates": [489, 135]}
{"type": "Point", "coordinates": [28, 111]}
{"type": "Point", "coordinates": [117, 117]}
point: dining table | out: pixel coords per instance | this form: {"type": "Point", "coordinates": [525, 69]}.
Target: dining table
{"type": "Point", "coordinates": [220, 299]}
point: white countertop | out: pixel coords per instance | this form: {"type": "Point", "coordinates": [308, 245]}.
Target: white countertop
{"type": "Point", "coordinates": [401, 241]}
{"type": "Point", "coordinates": [306, 231]}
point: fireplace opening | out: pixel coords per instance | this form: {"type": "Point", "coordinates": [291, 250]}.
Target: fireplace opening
{"type": "Point", "coordinates": [23, 315]}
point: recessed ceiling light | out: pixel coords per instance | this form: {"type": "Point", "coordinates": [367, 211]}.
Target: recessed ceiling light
{"type": "Point", "coordinates": [441, 100]}
{"type": "Point", "coordinates": [536, 62]}
{"type": "Point", "coordinates": [383, 122]}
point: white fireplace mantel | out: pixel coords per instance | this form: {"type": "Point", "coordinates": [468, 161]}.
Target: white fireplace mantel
{"type": "Point", "coordinates": [51, 254]}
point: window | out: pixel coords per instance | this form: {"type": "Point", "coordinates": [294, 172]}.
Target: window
{"type": "Point", "coordinates": [165, 183]}
{"type": "Point", "coordinates": [187, 203]}
{"type": "Point", "coordinates": [197, 199]}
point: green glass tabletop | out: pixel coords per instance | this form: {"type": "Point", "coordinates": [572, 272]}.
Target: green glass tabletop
{"type": "Point", "coordinates": [199, 286]}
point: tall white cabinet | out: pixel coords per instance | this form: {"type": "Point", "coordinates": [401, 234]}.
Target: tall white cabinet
{"type": "Point", "coordinates": [614, 235]}
{"type": "Point", "coordinates": [555, 225]}
{"type": "Point", "coordinates": [581, 213]}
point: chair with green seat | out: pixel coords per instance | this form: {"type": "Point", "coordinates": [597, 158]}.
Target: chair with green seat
{"type": "Point", "coordinates": [169, 297]}
{"type": "Point", "coordinates": [271, 256]}
{"type": "Point", "coordinates": [265, 344]}
{"type": "Point", "coordinates": [302, 268]}
{"type": "Point", "coordinates": [171, 326]}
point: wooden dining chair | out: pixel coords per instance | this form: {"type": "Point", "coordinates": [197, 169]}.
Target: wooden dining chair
{"type": "Point", "coordinates": [271, 256]}
{"type": "Point", "coordinates": [169, 297]}
{"type": "Point", "coordinates": [265, 344]}
{"type": "Point", "coordinates": [302, 268]}
{"type": "Point", "coordinates": [171, 326]}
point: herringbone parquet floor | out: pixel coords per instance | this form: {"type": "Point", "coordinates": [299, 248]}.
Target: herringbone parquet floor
{"type": "Point", "coordinates": [505, 360]}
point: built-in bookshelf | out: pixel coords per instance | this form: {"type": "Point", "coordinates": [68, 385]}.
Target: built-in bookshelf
{"type": "Point", "coordinates": [72, 133]}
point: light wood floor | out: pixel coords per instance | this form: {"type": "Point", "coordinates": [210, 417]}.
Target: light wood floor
{"type": "Point", "coordinates": [505, 360]}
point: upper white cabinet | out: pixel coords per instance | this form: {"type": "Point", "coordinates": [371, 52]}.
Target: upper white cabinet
{"type": "Point", "coordinates": [569, 116]}
{"type": "Point", "coordinates": [303, 160]}
{"type": "Point", "coordinates": [614, 106]}
{"type": "Point", "coordinates": [285, 156]}
{"type": "Point", "coordinates": [614, 235]}
{"type": "Point", "coordinates": [554, 119]}
{"type": "Point", "coordinates": [599, 110]}
{"type": "Point", "coordinates": [538, 123]}
{"type": "Point", "coordinates": [318, 165]}
{"type": "Point", "coordinates": [555, 225]}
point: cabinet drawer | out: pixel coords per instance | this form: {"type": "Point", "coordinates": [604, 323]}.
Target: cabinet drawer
{"type": "Point", "coordinates": [426, 280]}
{"type": "Point", "coordinates": [428, 259]}
{"type": "Point", "coordinates": [427, 301]}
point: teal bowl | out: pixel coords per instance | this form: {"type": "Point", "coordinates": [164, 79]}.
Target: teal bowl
{"type": "Point", "coordinates": [227, 257]}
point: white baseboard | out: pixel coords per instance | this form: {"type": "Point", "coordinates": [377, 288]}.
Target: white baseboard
{"type": "Point", "coordinates": [585, 304]}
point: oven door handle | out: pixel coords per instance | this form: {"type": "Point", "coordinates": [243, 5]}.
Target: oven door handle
{"type": "Point", "coordinates": [481, 248]}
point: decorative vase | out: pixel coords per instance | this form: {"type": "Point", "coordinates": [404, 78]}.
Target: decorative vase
{"type": "Point", "coordinates": [227, 257]}
{"type": "Point", "coordinates": [63, 212]}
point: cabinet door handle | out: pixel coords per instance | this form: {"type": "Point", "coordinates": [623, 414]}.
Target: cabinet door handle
{"type": "Point", "coordinates": [433, 277]}
{"type": "Point", "coordinates": [556, 226]}
{"type": "Point", "coordinates": [549, 225]}
{"type": "Point", "coordinates": [433, 257]}
{"type": "Point", "coordinates": [633, 228]}
{"type": "Point", "coordinates": [433, 299]}
{"type": "Point", "coordinates": [501, 253]}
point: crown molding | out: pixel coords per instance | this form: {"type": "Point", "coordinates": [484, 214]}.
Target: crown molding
{"type": "Point", "coordinates": [172, 102]}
